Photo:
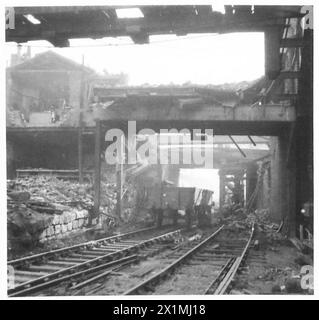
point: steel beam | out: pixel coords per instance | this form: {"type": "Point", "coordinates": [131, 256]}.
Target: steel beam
{"type": "Point", "coordinates": [238, 147]}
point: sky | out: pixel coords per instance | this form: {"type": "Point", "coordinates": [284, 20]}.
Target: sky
{"type": "Point", "coordinates": [201, 59]}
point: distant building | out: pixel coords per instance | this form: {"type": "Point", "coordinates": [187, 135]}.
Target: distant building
{"type": "Point", "coordinates": [44, 91]}
{"type": "Point", "coordinates": [19, 57]}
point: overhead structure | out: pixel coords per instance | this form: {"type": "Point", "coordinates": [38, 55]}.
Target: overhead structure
{"type": "Point", "coordinates": [59, 24]}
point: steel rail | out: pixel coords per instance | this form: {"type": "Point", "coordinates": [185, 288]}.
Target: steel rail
{"type": "Point", "coordinates": [45, 285]}
{"type": "Point", "coordinates": [222, 273]}
{"type": "Point", "coordinates": [223, 286]}
{"type": "Point", "coordinates": [227, 278]}
{"type": "Point", "coordinates": [104, 274]}
{"type": "Point", "coordinates": [87, 264]}
{"type": "Point", "coordinates": [171, 267]}
{"type": "Point", "coordinates": [53, 253]}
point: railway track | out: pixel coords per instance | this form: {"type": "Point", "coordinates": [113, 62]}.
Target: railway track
{"type": "Point", "coordinates": [215, 261]}
{"type": "Point", "coordinates": [41, 271]}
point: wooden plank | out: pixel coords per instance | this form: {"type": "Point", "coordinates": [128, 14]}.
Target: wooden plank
{"type": "Point", "coordinates": [44, 268]}
{"type": "Point", "coordinates": [29, 274]}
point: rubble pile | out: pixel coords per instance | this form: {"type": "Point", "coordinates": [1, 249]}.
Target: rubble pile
{"type": "Point", "coordinates": [241, 219]}
{"type": "Point", "coordinates": [262, 220]}
{"type": "Point", "coordinates": [50, 190]}
{"type": "Point", "coordinates": [42, 208]}
{"type": "Point", "coordinates": [285, 275]}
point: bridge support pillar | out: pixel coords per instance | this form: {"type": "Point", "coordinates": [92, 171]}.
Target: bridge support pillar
{"type": "Point", "coordinates": [283, 184]}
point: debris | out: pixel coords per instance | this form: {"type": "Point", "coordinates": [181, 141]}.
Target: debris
{"type": "Point", "coordinates": [246, 291]}
{"type": "Point", "coordinates": [280, 226]}
{"type": "Point", "coordinates": [270, 274]}
{"type": "Point", "coordinates": [292, 285]}
{"type": "Point", "coordinates": [278, 288]}
{"type": "Point", "coordinates": [20, 196]}
{"type": "Point", "coordinates": [304, 259]}
{"type": "Point", "coordinates": [48, 194]}
{"type": "Point", "coordinates": [256, 244]}
{"type": "Point", "coordinates": [297, 243]}
{"type": "Point", "coordinates": [195, 237]}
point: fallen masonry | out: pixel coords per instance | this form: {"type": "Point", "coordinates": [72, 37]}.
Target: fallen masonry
{"type": "Point", "coordinates": [42, 209]}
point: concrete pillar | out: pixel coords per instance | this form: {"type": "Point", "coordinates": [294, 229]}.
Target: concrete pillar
{"type": "Point", "coordinates": [292, 203]}
{"type": "Point", "coordinates": [282, 197]}
{"type": "Point", "coordinates": [276, 180]}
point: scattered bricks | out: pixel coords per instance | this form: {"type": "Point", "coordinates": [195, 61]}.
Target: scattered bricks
{"type": "Point", "coordinates": [70, 217]}
{"type": "Point", "coordinates": [85, 213]}
{"type": "Point", "coordinates": [57, 229]}
{"type": "Point", "coordinates": [50, 231]}
{"type": "Point", "coordinates": [43, 234]}
{"type": "Point", "coordinates": [79, 215]}
{"type": "Point", "coordinates": [65, 217]}
{"type": "Point", "coordinates": [70, 226]}
{"type": "Point", "coordinates": [56, 219]}
{"type": "Point", "coordinates": [64, 228]}
{"type": "Point", "coordinates": [73, 215]}
{"type": "Point", "coordinates": [75, 224]}
{"type": "Point", "coordinates": [81, 222]}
